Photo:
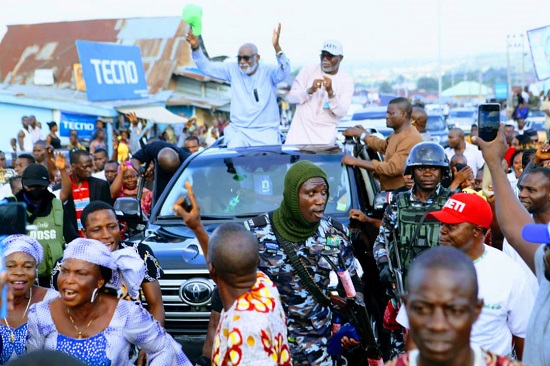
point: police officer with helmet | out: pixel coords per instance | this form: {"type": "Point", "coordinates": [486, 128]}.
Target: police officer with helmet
{"type": "Point", "coordinates": [405, 231]}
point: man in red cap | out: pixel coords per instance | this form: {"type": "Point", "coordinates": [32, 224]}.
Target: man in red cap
{"type": "Point", "coordinates": [465, 219]}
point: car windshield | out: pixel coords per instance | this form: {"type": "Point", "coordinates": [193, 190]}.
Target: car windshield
{"type": "Point", "coordinates": [461, 114]}
{"type": "Point", "coordinates": [251, 185]}
{"type": "Point", "coordinates": [435, 123]}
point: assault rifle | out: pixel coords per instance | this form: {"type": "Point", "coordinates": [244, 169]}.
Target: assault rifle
{"type": "Point", "coordinates": [356, 312]}
{"type": "Point", "coordinates": [398, 287]}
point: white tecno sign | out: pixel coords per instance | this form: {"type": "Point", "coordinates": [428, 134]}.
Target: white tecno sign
{"type": "Point", "coordinates": [115, 71]}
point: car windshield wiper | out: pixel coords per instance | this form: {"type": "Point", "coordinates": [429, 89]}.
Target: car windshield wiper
{"type": "Point", "coordinates": [203, 217]}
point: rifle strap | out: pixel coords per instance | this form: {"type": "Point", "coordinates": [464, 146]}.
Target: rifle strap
{"type": "Point", "coordinates": [305, 278]}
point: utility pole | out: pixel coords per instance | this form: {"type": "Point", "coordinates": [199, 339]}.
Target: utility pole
{"type": "Point", "coordinates": [439, 71]}
{"type": "Point", "coordinates": [514, 43]}
{"type": "Point", "coordinates": [522, 61]}
{"type": "Point", "coordinates": [509, 73]}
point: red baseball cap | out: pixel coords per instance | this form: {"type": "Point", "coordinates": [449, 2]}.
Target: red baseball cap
{"type": "Point", "coordinates": [464, 207]}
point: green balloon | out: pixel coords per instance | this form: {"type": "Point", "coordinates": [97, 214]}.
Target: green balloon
{"type": "Point", "coordinates": [192, 14]}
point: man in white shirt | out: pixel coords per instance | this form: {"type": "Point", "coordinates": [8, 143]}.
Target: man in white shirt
{"type": "Point", "coordinates": [517, 226]}
{"type": "Point", "coordinates": [35, 129]}
{"type": "Point", "coordinates": [322, 94]}
{"type": "Point", "coordinates": [457, 144]}
{"type": "Point", "coordinates": [101, 157]}
{"type": "Point", "coordinates": [24, 137]}
{"type": "Point", "coordinates": [442, 304]}
{"type": "Point", "coordinates": [465, 219]}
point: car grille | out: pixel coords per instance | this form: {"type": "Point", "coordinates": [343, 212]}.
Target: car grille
{"type": "Point", "coordinates": [186, 313]}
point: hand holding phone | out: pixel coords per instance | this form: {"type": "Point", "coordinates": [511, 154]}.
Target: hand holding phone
{"type": "Point", "coordinates": [186, 204]}
{"type": "Point", "coordinates": [488, 121]}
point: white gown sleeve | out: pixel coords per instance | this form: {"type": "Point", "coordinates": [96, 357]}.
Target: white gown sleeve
{"type": "Point", "coordinates": [142, 330]}
{"type": "Point", "coordinates": [35, 339]}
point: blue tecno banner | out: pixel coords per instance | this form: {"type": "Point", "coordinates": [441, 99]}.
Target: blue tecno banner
{"type": "Point", "coordinates": [112, 71]}
{"type": "Point", "coordinates": [84, 124]}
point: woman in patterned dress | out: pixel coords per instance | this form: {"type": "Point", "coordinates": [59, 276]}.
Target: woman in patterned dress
{"type": "Point", "coordinates": [94, 326]}
{"type": "Point", "coordinates": [22, 255]}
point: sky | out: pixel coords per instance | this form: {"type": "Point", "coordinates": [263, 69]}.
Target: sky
{"type": "Point", "coordinates": [370, 30]}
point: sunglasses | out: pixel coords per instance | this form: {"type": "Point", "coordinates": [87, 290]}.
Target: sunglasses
{"type": "Point", "coordinates": [245, 58]}
{"type": "Point", "coordinates": [330, 56]}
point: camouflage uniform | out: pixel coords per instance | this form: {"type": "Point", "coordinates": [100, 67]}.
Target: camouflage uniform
{"type": "Point", "coordinates": [309, 323]}
{"type": "Point", "coordinates": [390, 223]}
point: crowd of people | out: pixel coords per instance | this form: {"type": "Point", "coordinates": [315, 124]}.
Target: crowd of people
{"type": "Point", "coordinates": [463, 282]}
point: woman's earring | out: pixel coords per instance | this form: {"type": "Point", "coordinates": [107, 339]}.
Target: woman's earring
{"type": "Point", "coordinates": [94, 295]}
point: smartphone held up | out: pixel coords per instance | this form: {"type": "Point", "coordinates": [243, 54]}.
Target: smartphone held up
{"type": "Point", "coordinates": [488, 121]}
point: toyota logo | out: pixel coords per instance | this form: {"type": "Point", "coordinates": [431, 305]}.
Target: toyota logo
{"type": "Point", "coordinates": [196, 291]}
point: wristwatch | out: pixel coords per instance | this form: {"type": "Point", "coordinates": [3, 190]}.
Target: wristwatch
{"type": "Point", "coordinates": [363, 136]}
{"type": "Point", "coordinates": [280, 53]}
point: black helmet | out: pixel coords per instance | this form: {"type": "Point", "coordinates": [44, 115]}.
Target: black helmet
{"type": "Point", "coordinates": [427, 153]}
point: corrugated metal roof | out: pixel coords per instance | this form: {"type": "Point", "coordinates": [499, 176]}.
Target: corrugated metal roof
{"type": "Point", "coordinates": [71, 100]}
{"type": "Point", "coordinates": [26, 48]}
{"type": "Point", "coordinates": [196, 74]}
{"type": "Point", "coordinates": [202, 102]}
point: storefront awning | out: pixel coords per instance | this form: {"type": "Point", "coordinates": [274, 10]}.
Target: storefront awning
{"type": "Point", "coordinates": [154, 113]}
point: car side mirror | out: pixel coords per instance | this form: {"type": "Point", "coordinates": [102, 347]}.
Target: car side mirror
{"type": "Point", "coordinates": [13, 217]}
{"type": "Point", "coordinates": [128, 209]}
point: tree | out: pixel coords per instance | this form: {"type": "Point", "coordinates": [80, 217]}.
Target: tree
{"type": "Point", "coordinates": [385, 87]}
{"type": "Point", "coordinates": [427, 83]}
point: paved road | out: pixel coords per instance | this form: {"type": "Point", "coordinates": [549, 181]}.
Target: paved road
{"type": "Point", "coordinates": [192, 345]}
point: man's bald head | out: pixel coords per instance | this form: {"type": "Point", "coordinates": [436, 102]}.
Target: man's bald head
{"type": "Point", "coordinates": [420, 118]}
{"type": "Point", "coordinates": [249, 48]}
{"type": "Point", "coordinates": [168, 159]}
{"type": "Point", "coordinates": [458, 158]}
{"type": "Point", "coordinates": [233, 251]}
{"type": "Point", "coordinates": [444, 258]}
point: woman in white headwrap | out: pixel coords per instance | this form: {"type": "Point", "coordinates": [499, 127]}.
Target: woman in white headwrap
{"type": "Point", "coordinates": [22, 255]}
{"type": "Point", "coordinates": [92, 325]}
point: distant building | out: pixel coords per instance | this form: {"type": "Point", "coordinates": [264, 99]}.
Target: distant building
{"type": "Point", "coordinates": [39, 75]}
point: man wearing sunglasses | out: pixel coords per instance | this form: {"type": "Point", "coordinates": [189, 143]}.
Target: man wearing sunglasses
{"type": "Point", "coordinates": [322, 94]}
{"type": "Point", "coordinates": [254, 110]}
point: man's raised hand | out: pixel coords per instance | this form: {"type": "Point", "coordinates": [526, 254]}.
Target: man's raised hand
{"type": "Point", "coordinates": [60, 161]}
{"type": "Point", "coordinates": [193, 40]}
{"type": "Point", "coordinates": [276, 35]}
{"type": "Point", "coordinates": [192, 218]}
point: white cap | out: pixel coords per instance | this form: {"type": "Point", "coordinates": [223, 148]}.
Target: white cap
{"type": "Point", "coordinates": [333, 47]}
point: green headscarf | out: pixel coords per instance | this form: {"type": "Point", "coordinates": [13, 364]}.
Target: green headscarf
{"type": "Point", "coordinates": [287, 218]}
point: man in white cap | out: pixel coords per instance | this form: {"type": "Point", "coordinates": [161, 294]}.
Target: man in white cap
{"type": "Point", "coordinates": [322, 94]}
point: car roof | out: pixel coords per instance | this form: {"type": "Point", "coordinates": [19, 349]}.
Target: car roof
{"type": "Point", "coordinates": [223, 151]}
{"type": "Point", "coordinates": [464, 109]}
{"type": "Point", "coordinates": [370, 113]}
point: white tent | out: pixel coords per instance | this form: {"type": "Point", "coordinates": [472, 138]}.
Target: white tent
{"type": "Point", "coordinates": [467, 89]}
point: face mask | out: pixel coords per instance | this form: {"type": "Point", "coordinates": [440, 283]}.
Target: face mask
{"type": "Point", "coordinates": [35, 194]}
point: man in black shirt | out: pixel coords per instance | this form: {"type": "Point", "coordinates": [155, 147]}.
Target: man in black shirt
{"type": "Point", "coordinates": [167, 158]}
